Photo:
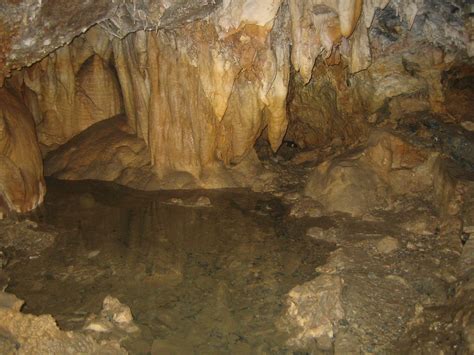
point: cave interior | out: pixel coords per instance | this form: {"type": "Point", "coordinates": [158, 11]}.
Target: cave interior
{"type": "Point", "coordinates": [236, 176]}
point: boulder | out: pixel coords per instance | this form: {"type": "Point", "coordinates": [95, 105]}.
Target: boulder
{"type": "Point", "coordinates": [372, 175]}
{"type": "Point", "coordinates": [314, 311]}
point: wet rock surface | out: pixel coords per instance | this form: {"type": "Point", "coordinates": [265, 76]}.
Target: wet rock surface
{"type": "Point", "coordinates": [197, 276]}
{"type": "Point", "coordinates": [388, 281]}
{"type": "Point", "coordinates": [110, 151]}
{"type": "Point", "coordinates": [259, 277]}
{"type": "Point", "coordinates": [351, 118]}
{"type": "Point", "coordinates": [22, 186]}
{"type": "Point", "coordinates": [372, 175]}
{"type": "Point", "coordinates": [107, 151]}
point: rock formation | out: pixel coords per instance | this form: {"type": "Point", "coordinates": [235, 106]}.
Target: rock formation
{"type": "Point", "coordinates": [71, 89]}
{"type": "Point", "coordinates": [106, 151]}
{"type": "Point", "coordinates": [356, 106]}
{"type": "Point", "coordinates": [22, 186]}
{"type": "Point", "coordinates": [372, 176]}
{"type": "Point", "coordinates": [200, 82]}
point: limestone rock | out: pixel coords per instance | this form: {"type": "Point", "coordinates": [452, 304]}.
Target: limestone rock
{"type": "Point", "coordinates": [40, 27]}
{"type": "Point", "coordinates": [388, 245]}
{"type": "Point", "coordinates": [306, 207]}
{"type": "Point", "coordinates": [314, 310]}
{"type": "Point", "coordinates": [372, 175]}
{"type": "Point", "coordinates": [72, 89]}
{"type": "Point", "coordinates": [203, 201]}
{"type": "Point", "coordinates": [22, 186]}
{"type": "Point", "coordinates": [113, 315]}
{"type": "Point", "coordinates": [10, 301]}
{"type": "Point", "coordinates": [24, 236]}
{"type": "Point", "coordinates": [223, 108]}
{"type": "Point", "coordinates": [110, 151]}
{"type": "Point", "coordinates": [328, 235]}
{"type": "Point", "coordinates": [40, 335]}
{"type": "Point", "coordinates": [387, 78]}
{"type": "Point", "coordinates": [236, 67]}
{"type": "Point", "coordinates": [106, 151]}
{"type": "Point", "coordinates": [346, 185]}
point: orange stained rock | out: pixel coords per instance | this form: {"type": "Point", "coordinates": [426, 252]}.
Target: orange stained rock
{"type": "Point", "coordinates": [22, 186]}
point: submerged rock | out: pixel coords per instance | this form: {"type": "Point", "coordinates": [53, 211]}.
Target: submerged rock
{"type": "Point", "coordinates": [113, 316]}
{"type": "Point", "coordinates": [328, 235]}
{"type": "Point", "coordinates": [25, 236]}
{"type": "Point", "coordinates": [388, 245]}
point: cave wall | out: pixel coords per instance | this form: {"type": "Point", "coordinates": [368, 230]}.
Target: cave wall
{"type": "Point", "coordinates": [406, 70]}
{"type": "Point", "coordinates": [71, 89]}
{"type": "Point", "coordinates": [200, 89]}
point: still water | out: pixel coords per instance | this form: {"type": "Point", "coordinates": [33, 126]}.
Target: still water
{"type": "Point", "coordinates": [199, 279]}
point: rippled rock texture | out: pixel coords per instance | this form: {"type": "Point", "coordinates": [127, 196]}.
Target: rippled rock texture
{"type": "Point", "coordinates": [22, 186]}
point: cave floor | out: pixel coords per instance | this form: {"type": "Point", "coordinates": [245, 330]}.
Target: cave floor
{"type": "Point", "coordinates": [208, 271]}
{"type": "Point", "coordinates": [208, 278]}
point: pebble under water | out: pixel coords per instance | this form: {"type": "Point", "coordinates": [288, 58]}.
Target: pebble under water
{"type": "Point", "coordinates": [199, 278]}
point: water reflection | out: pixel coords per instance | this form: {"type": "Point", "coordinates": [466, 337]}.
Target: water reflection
{"type": "Point", "coordinates": [211, 279]}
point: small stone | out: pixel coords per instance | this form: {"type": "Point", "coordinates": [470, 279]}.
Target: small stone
{"type": "Point", "coordinates": [306, 207]}
{"type": "Point", "coordinates": [468, 125]}
{"type": "Point", "coordinates": [175, 201]}
{"type": "Point", "coordinates": [314, 305]}
{"type": "Point", "coordinates": [468, 229]}
{"type": "Point", "coordinates": [203, 201]}
{"type": "Point", "coordinates": [93, 254]}
{"type": "Point", "coordinates": [292, 196]}
{"type": "Point", "coordinates": [372, 118]}
{"type": "Point", "coordinates": [328, 235]}
{"type": "Point", "coordinates": [420, 226]}
{"type": "Point", "coordinates": [30, 224]}
{"type": "Point", "coordinates": [99, 325]}
{"type": "Point", "coordinates": [398, 279]}
{"type": "Point", "coordinates": [113, 309]}
{"type": "Point", "coordinates": [10, 301]}
{"type": "Point", "coordinates": [388, 245]}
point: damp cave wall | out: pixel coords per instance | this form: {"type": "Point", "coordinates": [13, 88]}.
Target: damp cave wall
{"type": "Point", "coordinates": [200, 82]}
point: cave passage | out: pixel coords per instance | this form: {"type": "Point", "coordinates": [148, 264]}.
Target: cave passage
{"type": "Point", "coordinates": [237, 177]}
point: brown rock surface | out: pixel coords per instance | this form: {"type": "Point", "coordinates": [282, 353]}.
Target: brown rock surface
{"type": "Point", "coordinates": [31, 29]}
{"type": "Point", "coordinates": [372, 175]}
{"type": "Point", "coordinates": [226, 102]}
{"type": "Point", "coordinates": [40, 335]}
{"type": "Point", "coordinates": [106, 151]}
{"type": "Point", "coordinates": [314, 309]}
{"type": "Point", "coordinates": [21, 170]}
{"type": "Point", "coordinates": [71, 89]}
{"type": "Point", "coordinates": [110, 151]}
